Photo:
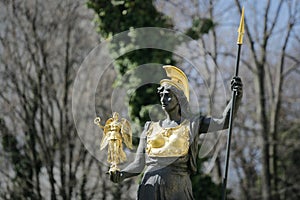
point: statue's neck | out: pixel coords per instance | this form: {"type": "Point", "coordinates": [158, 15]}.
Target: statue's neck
{"type": "Point", "coordinates": [173, 116]}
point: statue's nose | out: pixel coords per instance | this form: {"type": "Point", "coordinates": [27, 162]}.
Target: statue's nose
{"type": "Point", "coordinates": [164, 99]}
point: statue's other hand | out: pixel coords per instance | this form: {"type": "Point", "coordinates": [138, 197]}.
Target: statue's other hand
{"type": "Point", "coordinates": [237, 85]}
{"type": "Point", "coordinates": [116, 176]}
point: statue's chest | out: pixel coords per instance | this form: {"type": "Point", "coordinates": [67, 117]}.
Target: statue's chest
{"type": "Point", "coordinates": [168, 142]}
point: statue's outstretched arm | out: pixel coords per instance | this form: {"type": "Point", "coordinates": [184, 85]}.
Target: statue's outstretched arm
{"type": "Point", "coordinates": [138, 165]}
{"type": "Point", "coordinates": [210, 124]}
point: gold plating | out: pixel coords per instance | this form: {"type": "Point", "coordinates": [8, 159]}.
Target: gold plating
{"type": "Point", "coordinates": [168, 142]}
{"type": "Point", "coordinates": [115, 132]}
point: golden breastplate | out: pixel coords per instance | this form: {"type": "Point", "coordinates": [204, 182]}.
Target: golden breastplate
{"type": "Point", "coordinates": [168, 142]}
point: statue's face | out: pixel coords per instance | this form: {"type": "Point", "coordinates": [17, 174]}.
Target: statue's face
{"type": "Point", "coordinates": [168, 99]}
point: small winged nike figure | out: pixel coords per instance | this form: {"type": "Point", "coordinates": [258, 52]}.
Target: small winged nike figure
{"type": "Point", "coordinates": [114, 132]}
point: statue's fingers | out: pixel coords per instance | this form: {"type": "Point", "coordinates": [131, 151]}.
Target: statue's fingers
{"type": "Point", "coordinates": [115, 176]}
{"type": "Point", "coordinates": [111, 176]}
{"type": "Point", "coordinates": [237, 78]}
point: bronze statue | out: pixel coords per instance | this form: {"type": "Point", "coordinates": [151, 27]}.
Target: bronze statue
{"type": "Point", "coordinates": [168, 148]}
{"type": "Point", "coordinates": [114, 132]}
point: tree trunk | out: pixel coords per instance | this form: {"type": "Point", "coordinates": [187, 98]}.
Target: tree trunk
{"type": "Point", "coordinates": [263, 122]}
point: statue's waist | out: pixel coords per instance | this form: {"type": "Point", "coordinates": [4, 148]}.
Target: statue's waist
{"type": "Point", "coordinates": [114, 135]}
{"type": "Point", "coordinates": [173, 169]}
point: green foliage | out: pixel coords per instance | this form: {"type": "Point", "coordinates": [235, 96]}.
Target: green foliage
{"type": "Point", "coordinates": [203, 186]}
{"type": "Point", "coordinates": [200, 26]}
{"type": "Point", "coordinates": [114, 17]}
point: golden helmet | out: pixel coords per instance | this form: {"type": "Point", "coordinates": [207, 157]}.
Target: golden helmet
{"type": "Point", "coordinates": [177, 79]}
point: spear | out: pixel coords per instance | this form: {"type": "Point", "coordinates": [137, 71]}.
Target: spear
{"type": "Point", "coordinates": [234, 94]}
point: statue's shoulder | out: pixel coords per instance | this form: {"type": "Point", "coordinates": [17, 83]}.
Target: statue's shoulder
{"type": "Point", "coordinates": [196, 121]}
{"type": "Point", "coordinates": [147, 125]}
{"type": "Point", "coordinates": [196, 118]}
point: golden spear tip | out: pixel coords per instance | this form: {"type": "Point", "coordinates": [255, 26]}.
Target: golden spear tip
{"type": "Point", "coordinates": [241, 29]}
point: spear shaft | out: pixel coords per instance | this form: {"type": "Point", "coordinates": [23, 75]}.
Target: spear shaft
{"type": "Point", "coordinates": [233, 101]}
